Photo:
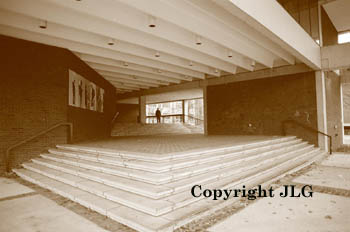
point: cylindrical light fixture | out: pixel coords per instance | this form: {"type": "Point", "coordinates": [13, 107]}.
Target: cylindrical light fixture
{"type": "Point", "coordinates": [157, 54]}
{"type": "Point", "coordinates": [253, 63]}
{"type": "Point", "coordinates": [151, 21]}
{"type": "Point", "coordinates": [159, 71]}
{"type": "Point", "coordinates": [229, 54]}
{"type": "Point", "coordinates": [216, 70]}
{"type": "Point", "coordinates": [111, 42]}
{"type": "Point", "coordinates": [43, 24]}
{"type": "Point", "coordinates": [191, 63]}
{"type": "Point", "coordinates": [126, 64]}
{"type": "Point", "coordinates": [198, 40]}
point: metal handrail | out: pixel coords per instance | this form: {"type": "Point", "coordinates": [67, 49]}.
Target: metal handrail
{"type": "Point", "coordinates": [194, 117]}
{"type": "Point", "coordinates": [115, 116]}
{"type": "Point", "coordinates": [7, 155]}
{"type": "Point", "coordinates": [165, 115]}
{"type": "Point", "coordinates": [307, 128]}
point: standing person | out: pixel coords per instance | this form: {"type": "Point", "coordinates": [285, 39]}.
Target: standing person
{"type": "Point", "coordinates": [158, 115]}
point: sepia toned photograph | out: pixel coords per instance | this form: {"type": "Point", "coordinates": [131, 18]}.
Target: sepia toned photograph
{"type": "Point", "coordinates": [175, 115]}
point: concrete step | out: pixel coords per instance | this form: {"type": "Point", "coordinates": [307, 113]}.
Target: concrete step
{"type": "Point", "coordinates": [179, 198]}
{"type": "Point", "coordinates": [152, 157]}
{"type": "Point", "coordinates": [171, 175]}
{"type": "Point", "coordinates": [177, 217]}
{"type": "Point", "coordinates": [159, 191]}
{"type": "Point", "coordinates": [164, 166]}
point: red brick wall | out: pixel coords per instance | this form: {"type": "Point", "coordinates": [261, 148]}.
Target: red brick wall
{"type": "Point", "coordinates": [127, 113]}
{"type": "Point", "coordinates": [34, 96]}
{"type": "Point", "coordinates": [263, 104]}
{"type": "Point", "coordinates": [91, 124]}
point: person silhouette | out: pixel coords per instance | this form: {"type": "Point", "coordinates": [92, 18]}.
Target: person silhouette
{"type": "Point", "coordinates": [158, 115]}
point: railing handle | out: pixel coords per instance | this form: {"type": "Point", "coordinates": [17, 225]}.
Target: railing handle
{"type": "Point", "coordinates": [308, 128]}
{"type": "Point", "coordinates": [8, 150]}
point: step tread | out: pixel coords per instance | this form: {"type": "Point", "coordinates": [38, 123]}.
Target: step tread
{"type": "Point", "coordinates": [142, 188]}
{"type": "Point", "coordinates": [166, 165]}
{"type": "Point", "coordinates": [158, 207]}
{"type": "Point", "coordinates": [142, 221]}
{"type": "Point", "coordinates": [150, 177]}
{"type": "Point", "coordinates": [169, 156]}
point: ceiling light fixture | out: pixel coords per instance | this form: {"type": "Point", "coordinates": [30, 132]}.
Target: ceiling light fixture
{"type": "Point", "coordinates": [126, 64]}
{"type": "Point", "coordinates": [43, 24]}
{"type": "Point", "coordinates": [253, 63]}
{"type": "Point", "coordinates": [111, 42]}
{"type": "Point", "coordinates": [157, 54]}
{"type": "Point", "coordinates": [230, 54]}
{"type": "Point", "coordinates": [151, 21]}
{"type": "Point", "coordinates": [159, 71]}
{"type": "Point", "coordinates": [198, 40]}
{"type": "Point", "coordinates": [191, 63]}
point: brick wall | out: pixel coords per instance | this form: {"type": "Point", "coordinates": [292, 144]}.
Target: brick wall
{"type": "Point", "coordinates": [127, 113]}
{"type": "Point", "coordinates": [258, 107]}
{"type": "Point", "coordinates": [91, 124]}
{"type": "Point", "coordinates": [34, 96]}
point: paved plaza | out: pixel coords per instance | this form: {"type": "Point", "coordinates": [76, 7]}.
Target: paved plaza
{"type": "Point", "coordinates": [162, 144]}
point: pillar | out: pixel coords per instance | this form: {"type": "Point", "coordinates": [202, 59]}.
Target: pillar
{"type": "Point", "coordinates": [142, 109]}
{"type": "Point", "coordinates": [321, 109]}
{"type": "Point", "coordinates": [205, 109]}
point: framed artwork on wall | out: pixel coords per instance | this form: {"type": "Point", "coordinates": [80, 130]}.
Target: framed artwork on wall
{"type": "Point", "coordinates": [84, 93]}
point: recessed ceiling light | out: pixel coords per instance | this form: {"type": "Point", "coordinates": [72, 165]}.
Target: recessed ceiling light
{"type": "Point", "coordinates": [198, 40]}
{"type": "Point", "coordinates": [157, 54]}
{"type": "Point", "coordinates": [230, 54]}
{"type": "Point", "coordinates": [151, 21]}
{"type": "Point", "coordinates": [43, 24]}
{"type": "Point", "coordinates": [111, 42]}
{"type": "Point", "coordinates": [216, 70]}
{"type": "Point", "coordinates": [253, 63]}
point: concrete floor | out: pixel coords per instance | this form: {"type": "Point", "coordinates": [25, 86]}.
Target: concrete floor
{"type": "Point", "coordinates": [10, 188]}
{"type": "Point", "coordinates": [162, 144]}
{"type": "Point", "coordinates": [321, 213]}
{"type": "Point", "coordinates": [24, 210]}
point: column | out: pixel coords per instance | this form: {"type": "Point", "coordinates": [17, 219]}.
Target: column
{"type": "Point", "coordinates": [142, 109]}
{"type": "Point", "coordinates": [205, 109]}
{"type": "Point", "coordinates": [321, 109]}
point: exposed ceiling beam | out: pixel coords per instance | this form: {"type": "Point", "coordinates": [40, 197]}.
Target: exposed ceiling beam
{"type": "Point", "coordinates": [118, 83]}
{"type": "Point", "coordinates": [186, 16]}
{"type": "Point", "coordinates": [90, 19]}
{"type": "Point", "coordinates": [77, 47]}
{"type": "Point", "coordinates": [131, 72]}
{"type": "Point", "coordinates": [131, 77]}
{"type": "Point", "coordinates": [110, 78]}
{"type": "Point", "coordinates": [180, 40]}
{"type": "Point", "coordinates": [267, 18]}
{"type": "Point", "coordinates": [236, 25]}
{"type": "Point", "coordinates": [131, 52]}
{"type": "Point", "coordinates": [132, 66]}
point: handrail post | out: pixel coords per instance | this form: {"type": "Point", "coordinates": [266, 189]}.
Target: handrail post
{"type": "Point", "coordinates": [7, 154]}
{"type": "Point", "coordinates": [307, 128]}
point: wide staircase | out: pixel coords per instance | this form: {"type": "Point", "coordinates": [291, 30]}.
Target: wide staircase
{"type": "Point", "coordinates": [152, 192]}
{"type": "Point", "coordinates": [137, 129]}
